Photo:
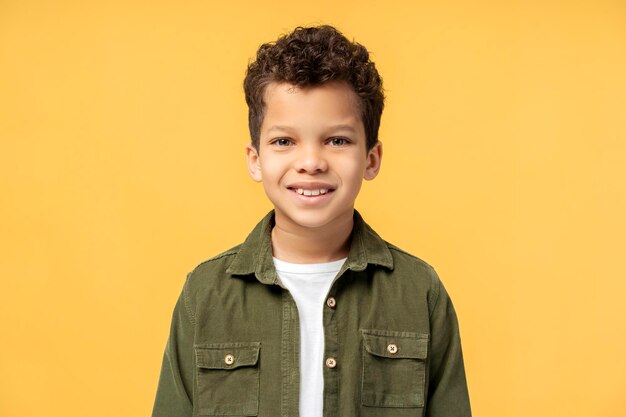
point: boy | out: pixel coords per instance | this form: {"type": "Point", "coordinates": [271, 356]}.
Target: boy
{"type": "Point", "coordinates": [314, 314]}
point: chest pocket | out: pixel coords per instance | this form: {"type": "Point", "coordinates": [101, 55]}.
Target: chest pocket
{"type": "Point", "coordinates": [394, 368]}
{"type": "Point", "coordinates": [227, 379]}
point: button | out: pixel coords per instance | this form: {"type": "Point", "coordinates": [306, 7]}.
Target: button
{"type": "Point", "coordinates": [331, 362]}
{"type": "Point", "coordinates": [392, 348]}
{"type": "Point", "coordinates": [229, 359]}
{"type": "Point", "coordinates": [331, 302]}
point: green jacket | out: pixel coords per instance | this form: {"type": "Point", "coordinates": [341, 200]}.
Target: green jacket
{"type": "Point", "coordinates": [392, 342]}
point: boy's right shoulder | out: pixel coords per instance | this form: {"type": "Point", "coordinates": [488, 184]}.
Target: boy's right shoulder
{"type": "Point", "coordinates": [226, 254]}
{"type": "Point", "coordinates": [214, 273]}
{"type": "Point", "coordinates": [211, 269]}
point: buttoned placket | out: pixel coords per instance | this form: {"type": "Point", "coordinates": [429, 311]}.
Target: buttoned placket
{"type": "Point", "coordinates": [332, 361]}
{"type": "Point", "coordinates": [291, 351]}
{"type": "Point", "coordinates": [290, 355]}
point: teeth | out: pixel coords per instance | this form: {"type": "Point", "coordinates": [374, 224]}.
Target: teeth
{"type": "Point", "coordinates": [302, 191]}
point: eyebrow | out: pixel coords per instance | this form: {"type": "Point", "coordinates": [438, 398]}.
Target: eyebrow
{"type": "Point", "coordinates": [282, 128]}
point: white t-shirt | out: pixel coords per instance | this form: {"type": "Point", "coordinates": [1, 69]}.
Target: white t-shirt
{"type": "Point", "coordinates": [309, 285]}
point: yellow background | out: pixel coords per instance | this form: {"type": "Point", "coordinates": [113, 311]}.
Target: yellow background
{"type": "Point", "coordinates": [123, 125]}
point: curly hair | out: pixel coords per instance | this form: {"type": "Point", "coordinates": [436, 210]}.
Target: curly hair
{"type": "Point", "coordinates": [311, 56]}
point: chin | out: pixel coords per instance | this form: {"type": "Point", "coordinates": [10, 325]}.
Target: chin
{"type": "Point", "coordinates": [311, 219]}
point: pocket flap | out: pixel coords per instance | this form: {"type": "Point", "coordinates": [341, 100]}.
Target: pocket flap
{"type": "Point", "coordinates": [227, 355]}
{"type": "Point", "coordinates": [390, 344]}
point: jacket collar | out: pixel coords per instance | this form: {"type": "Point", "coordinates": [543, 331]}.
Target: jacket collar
{"type": "Point", "coordinates": [255, 253]}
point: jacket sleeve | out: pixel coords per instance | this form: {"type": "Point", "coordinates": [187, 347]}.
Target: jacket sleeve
{"type": "Point", "coordinates": [174, 392]}
{"type": "Point", "coordinates": [447, 392]}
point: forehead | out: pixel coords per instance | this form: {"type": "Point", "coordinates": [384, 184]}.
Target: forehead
{"type": "Point", "coordinates": [332, 102]}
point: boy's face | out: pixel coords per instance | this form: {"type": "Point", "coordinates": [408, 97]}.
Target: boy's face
{"type": "Point", "coordinates": [312, 153]}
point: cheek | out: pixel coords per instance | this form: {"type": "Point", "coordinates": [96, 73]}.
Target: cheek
{"type": "Point", "coordinates": [351, 173]}
{"type": "Point", "coordinates": [272, 171]}
{"type": "Point", "coordinates": [352, 167]}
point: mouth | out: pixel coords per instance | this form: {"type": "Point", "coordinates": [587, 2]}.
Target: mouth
{"type": "Point", "coordinates": [311, 192]}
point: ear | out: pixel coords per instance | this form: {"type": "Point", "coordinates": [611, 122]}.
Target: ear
{"type": "Point", "coordinates": [254, 163]}
{"type": "Point", "coordinates": [374, 159]}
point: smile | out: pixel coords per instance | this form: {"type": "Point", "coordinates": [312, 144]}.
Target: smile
{"type": "Point", "coordinates": [311, 195]}
{"type": "Point", "coordinates": [302, 191]}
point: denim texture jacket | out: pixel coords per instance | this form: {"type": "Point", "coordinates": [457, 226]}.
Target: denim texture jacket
{"type": "Point", "coordinates": [392, 343]}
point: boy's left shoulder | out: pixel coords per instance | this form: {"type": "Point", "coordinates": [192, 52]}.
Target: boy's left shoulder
{"type": "Point", "coordinates": [418, 276]}
{"type": "Point", "coordinates": [380, 247]}
{"type": "Point", "coordinates": [400, 255]}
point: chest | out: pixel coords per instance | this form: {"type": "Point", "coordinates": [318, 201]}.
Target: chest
{"type": "Point", "coordinates": [376, 335]}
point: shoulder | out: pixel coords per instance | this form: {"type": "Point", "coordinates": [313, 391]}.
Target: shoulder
{"type": "Point", "coordinates": [217, 261]}
{"type": "Point", "coordinates": [209, 273]}
{"type": "Point", "coordinates": [403, 257]}
{"type": "Point", "coordinates": [420, 271]}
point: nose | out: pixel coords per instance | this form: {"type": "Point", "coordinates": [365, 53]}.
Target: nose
{"type": "Point", "coordinates": [311, 160]}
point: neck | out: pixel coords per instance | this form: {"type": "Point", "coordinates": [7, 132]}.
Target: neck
{"type": "Point", "coordinates": [296, 244]}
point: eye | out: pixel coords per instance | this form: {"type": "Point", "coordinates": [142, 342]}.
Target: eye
{"type": "Point", "coordinates": [338, 141]}
{"type": "Point", "coordinates": [282, 142]}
